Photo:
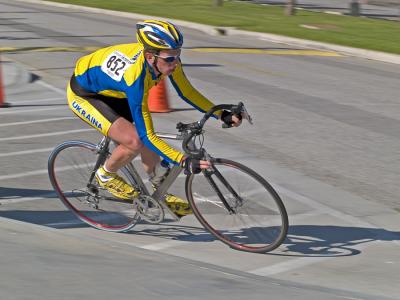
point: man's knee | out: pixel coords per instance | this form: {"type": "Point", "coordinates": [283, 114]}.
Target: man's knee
{"type": "Point", "coordinates": [134, 144]}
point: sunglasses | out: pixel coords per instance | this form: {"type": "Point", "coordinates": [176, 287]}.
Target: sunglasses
{"type": "Point", "coordinates": [169, 59]}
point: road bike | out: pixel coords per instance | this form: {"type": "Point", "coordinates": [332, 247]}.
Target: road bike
{"type": "Point", "coordinates": [233, 202]}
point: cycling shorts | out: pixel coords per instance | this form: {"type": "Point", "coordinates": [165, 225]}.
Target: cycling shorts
{"type": "Point", "coordinates": [97, 110]}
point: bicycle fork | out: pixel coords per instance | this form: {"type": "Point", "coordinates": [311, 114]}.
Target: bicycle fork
{"type": "Point", "coordinates": [239, 200]}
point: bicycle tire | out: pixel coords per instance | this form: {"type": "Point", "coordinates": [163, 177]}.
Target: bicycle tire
{"type": "Point", "coordinates": [257, 225]}
{"type": "Point", "coordinates": [69, 167]}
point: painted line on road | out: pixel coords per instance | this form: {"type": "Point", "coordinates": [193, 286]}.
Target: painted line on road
{"type": "Point", "coordinates": [63, 225]}
{"type": "Point", "coordinates": [43, 171]}
{"type": "Point", "coordinates": [24, 174]}
{"type": "Point", "coordinates": [52, 88]}
{"type": "Point", "coordinates": [8, 200]}
{"type": "Point", "coordinates": [288, 265]}
{"type": "Point", "coordinates": [162, 245]}
{"type": "Point", "coordinates": [22, 137]}
{"type": "Point", "coordinates": [25, 152]}
{"type": "Point", "coordinates": [17, 102]}
{"type": "Point", "coordinates": [36, 121]}
{"type": "Point", "coordinates": [198, 237]}
{"type": "Point", "coordinates": [21, 111]}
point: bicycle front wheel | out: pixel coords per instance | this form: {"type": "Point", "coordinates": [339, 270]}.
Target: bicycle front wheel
{"type": "Point", "coordinates": [70, 167]}
{"type": "Point", "coordinates": [238, 207]}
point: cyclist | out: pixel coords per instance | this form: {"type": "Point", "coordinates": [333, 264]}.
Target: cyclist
{"type": "Point", "coordinates": [109, 91]}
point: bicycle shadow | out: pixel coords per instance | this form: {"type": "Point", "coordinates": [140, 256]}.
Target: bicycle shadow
{"type": "Point", "coordinates": [301, 241]}
{"type": "Point", "coordinates": [331, 241]}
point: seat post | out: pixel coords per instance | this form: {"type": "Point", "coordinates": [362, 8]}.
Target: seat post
{"type": "Point", "coordinates": [102, 150]}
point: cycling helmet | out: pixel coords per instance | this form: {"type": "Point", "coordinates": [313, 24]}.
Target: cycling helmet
{"type": "Point", "coordinates": [158, 35]}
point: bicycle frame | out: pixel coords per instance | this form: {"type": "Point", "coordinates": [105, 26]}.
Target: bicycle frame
{"type": "Point", "coordinates": [189, 147]}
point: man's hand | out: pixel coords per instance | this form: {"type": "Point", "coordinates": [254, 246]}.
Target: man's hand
{"type": "Point", "coordinates": [194, 166]}
{"type": "Point", "coordinates": [231, 119]}
{"type": "Point", "coordinates": [237, 120]}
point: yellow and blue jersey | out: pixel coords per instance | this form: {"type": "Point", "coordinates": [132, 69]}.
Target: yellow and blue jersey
{"type": "Point", "coordinates": [122, 72]}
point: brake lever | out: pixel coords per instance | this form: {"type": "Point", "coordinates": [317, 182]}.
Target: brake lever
{"type": "Point", "coordinates": [246, 115]}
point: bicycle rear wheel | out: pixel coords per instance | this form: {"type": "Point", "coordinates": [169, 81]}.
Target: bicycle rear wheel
{"type": "Point", "coordinates": [70, 166]}
{"type": "Point", "coordinates": [238, 207]}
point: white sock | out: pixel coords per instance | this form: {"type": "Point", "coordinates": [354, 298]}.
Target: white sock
{"type": "Point", "coordinates": [105, 169]}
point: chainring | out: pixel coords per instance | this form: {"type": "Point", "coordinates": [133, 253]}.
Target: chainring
{"type": "Point", "coordinates": [149, 209]}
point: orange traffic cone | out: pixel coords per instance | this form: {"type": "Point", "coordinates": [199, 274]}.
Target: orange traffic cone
{"type": "Point", "coordinates": [158, 98]}
{"type": "Point", "coordinates": [2, 103]}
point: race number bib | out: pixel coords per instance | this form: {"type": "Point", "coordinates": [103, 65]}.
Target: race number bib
{"type": "Point", "coordinates": [116, 64]}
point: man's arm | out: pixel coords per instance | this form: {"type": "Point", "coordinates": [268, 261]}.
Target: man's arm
{"type": "Point", "coordinates": [137, 99]}
{"type": "Point", "coordinates": [188, 93]}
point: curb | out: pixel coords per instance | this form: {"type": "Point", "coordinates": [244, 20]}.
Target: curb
{"type": "Point", "coordinates": [212, 30]}
{"type": "Point", "coordinates": [357, 52]}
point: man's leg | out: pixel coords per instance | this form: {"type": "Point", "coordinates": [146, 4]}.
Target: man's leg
{"type": "Point", "coordinates": [129, 145]}
{"type": "Point", "coordinates": [149, 159]}
{"type": "Point", "coordinates": [124, 133]}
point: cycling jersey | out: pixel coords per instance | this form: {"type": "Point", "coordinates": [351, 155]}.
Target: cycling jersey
{"type": "Point", "coordinates": [122, 72]}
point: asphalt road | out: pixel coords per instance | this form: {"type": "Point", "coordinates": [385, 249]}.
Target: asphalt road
{"type": "Point", "coordinates": [325, 134]}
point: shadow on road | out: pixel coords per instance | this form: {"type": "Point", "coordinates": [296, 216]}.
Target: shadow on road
{"type": "Point", "coordinates": [7, 193]}
{"type": "Point", "coordinates": [301, 241]}
{"type": "Point", "coordinates": [330, 241]}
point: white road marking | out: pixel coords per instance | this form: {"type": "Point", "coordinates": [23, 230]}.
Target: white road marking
{"type": "Point", "coordinates": [37, 121]}
{"type": "Point", "coordinates": [36, 100]}
{"type": "Point", "coordinates": [64, 224]}
{"type": "Point", "coordinates": [21, 137]}
{"type": "Point", "coordinates": [25, 174]}
{"type": "Point", "coordinates": [41, 172]}
{"type": "Point", "coordinates": [287, 265]}
{"type": "Point", "coordinates": [26, 152]}
{"type": "Point", "coordinates": [25, 199]}
{"type": "Point", "coordinates": [205, 236]}
{"type": "Point", "coordinates": [52, 88]}
{"type": "Point", "coordinates": [21, 111]}
{"type": "Point", "coordinates": [162, 245]}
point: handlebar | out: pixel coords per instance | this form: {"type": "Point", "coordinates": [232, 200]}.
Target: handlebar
{"type": "Point", "coordinates": [192, 129]}
{"type": "Point", "coordinates": [236, 109]}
